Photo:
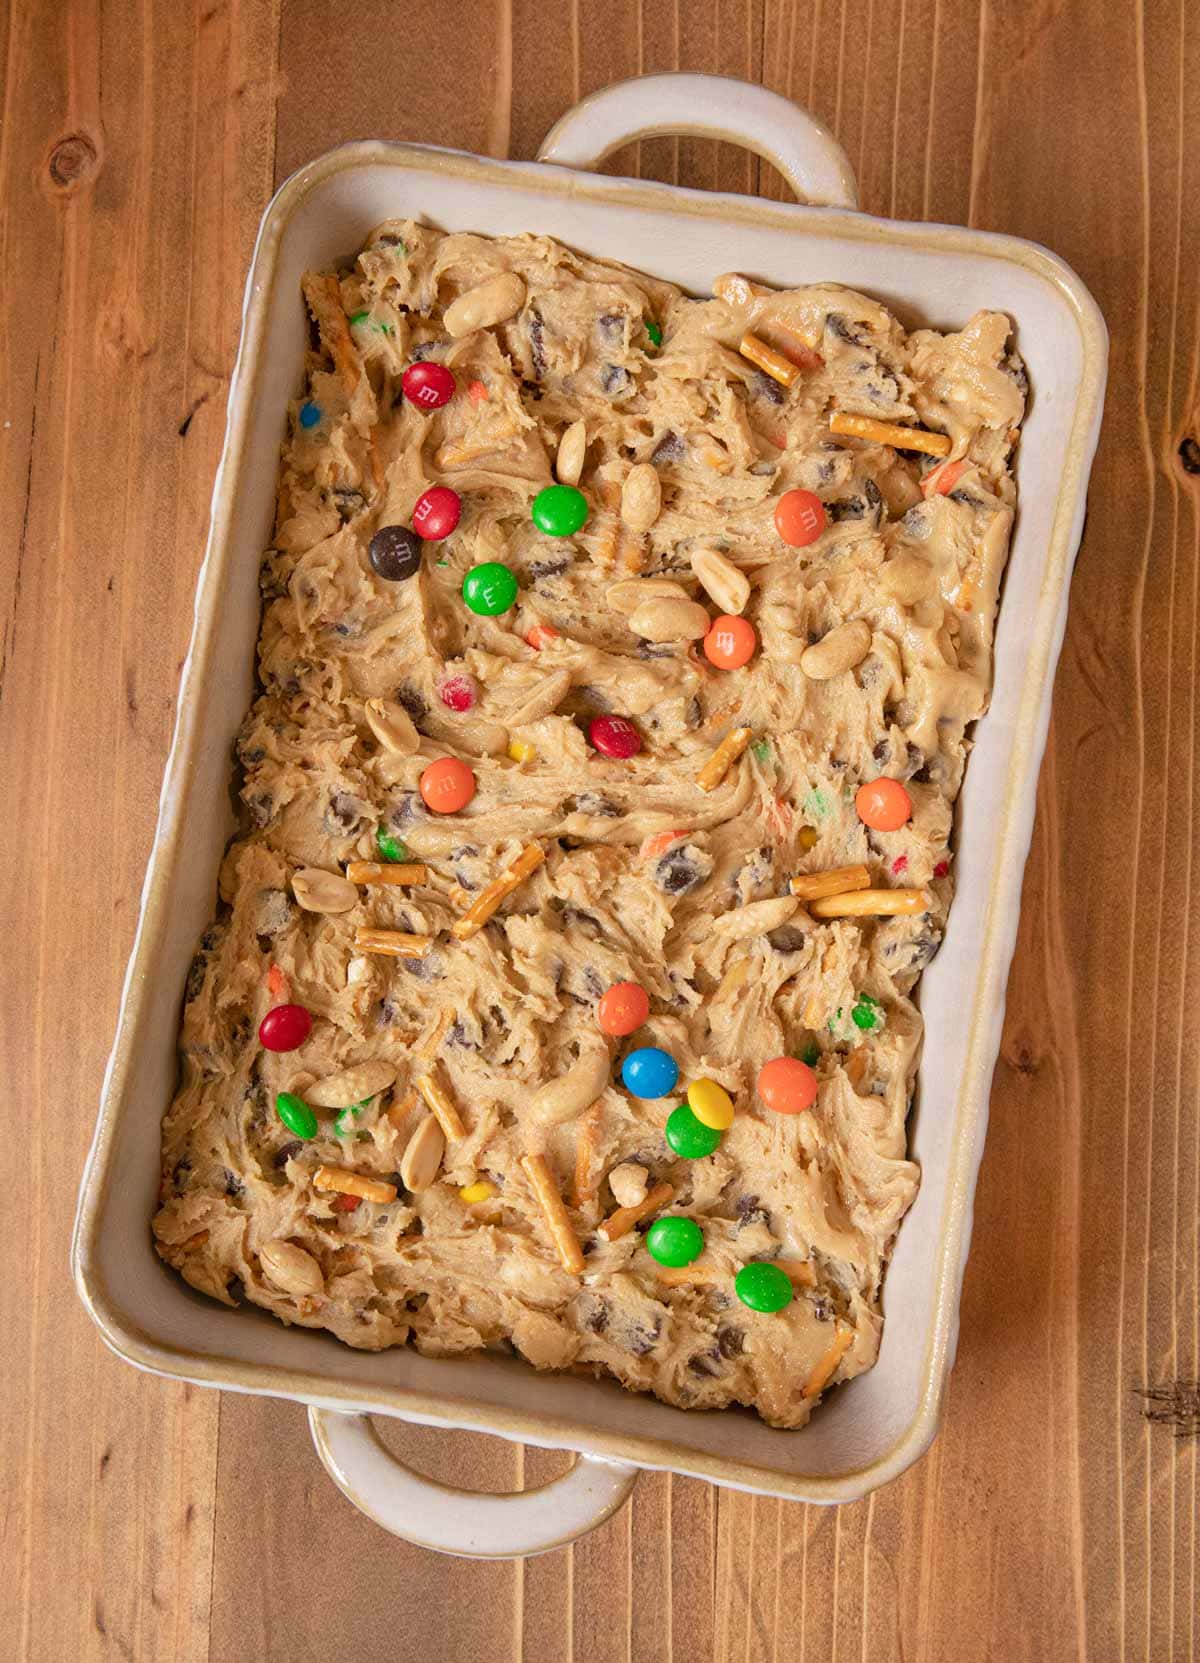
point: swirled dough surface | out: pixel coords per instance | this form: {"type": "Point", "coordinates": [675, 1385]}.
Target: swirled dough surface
{"type": "Point", "coordinates": [646, 876]}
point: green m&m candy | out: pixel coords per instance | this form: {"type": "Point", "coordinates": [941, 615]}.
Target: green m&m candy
{"type": "Point", "coordinates": [674, 1241]}
{"type": "Point", "coordinates": [489, 589]}
{"type": "Point", "coordinates": [689, 1137]}
{"type": "Point", "coordinates": [296, 1115]}
{"type": "Point", "coordinates": [763, 1287]}
{"type": "Point", "coordinates": [390, 848]}
{"type": "Point", "coordinates": [655, 333]}
{"type": "Point", "coordinates": [560, 510]}
{"type": "Point", "coordinates": [866, 1013]}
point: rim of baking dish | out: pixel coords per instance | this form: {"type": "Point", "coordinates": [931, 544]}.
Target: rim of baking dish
{"type": "Point", "coordinates": [120, 1329]}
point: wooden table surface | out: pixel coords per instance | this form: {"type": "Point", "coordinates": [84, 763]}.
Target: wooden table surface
{"type": "Point", "coordinates": [151, 1521]}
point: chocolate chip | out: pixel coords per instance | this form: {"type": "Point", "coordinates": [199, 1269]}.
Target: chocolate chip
{"type": "Point", "coordinates": [836, 324]}
{"type": "Point", "coordinates": [678, 872]}
{"type": "Point", "coordinates": [612, 325]}
{"type": "Point", "coordinates": [236, 1289]}
{"type": "Point", "coordinates": [705, 1363]}
{"type": "Point", "coordinates": [764, 387]}
{"type": "Point", "coordinates": [395, 553]}
{"type": "Point", "coordinates": [343, 814]}
{"type": "Point", "coordinates": [1013, 366]}
{"type": "Point", "coordinates": [847, 508]}
{"type": "Point", "coordinates": [348, 501]}
{"type": "Point", "coordinates": [670, 448]}
{"type": "Point", "coordinates": [751, 1211]}
{"type": "Point", "coordinates": [1189, 455]}
{"type": "Point", "coordinates": [643, 1339]}
{"type": "Point", "coordinates": [614, 380]}
{"type": "Point", "coordinates": [179, 1174]}
{"type": "Point", "coordinates": [539, 570]}
{"type": "Point", "coordinates": [537, 345]}
{"type": "Point", "coordinates": [404, 808]}
{"type": "Point", "coordinates": [591, 802]}
{"type": "Point", "coordinates": [788, 938]}
{"type": "Point", "coordinates": [730, 1341]}
{"type": "Point", "coordinates": [285, 1153]}
{"type": "Point", "coordinates": [233, 1184]}
{"type": "Point", "coordinates": [880, 751]}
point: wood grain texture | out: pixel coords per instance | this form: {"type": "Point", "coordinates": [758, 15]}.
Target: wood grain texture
{"type": "Point", "coordinates": [143, 1520]}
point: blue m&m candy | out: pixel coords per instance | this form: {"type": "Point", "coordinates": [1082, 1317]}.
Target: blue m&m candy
{"type": "Point", "coordinates": [310, 413]}
{"type": "Point", "coordinates": [650, 1072]}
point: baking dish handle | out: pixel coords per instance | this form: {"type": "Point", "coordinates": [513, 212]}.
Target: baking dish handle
{"type": "Point", "coordinates": [464, 1522]}
{"type": "Point", "coordinates": [712, 107]}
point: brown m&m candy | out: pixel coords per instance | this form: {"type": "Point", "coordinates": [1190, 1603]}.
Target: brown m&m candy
{"type": "Point", "coordinates": [395, 553]}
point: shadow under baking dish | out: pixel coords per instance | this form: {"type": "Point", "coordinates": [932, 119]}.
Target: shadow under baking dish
{"type": "Point", "coordinates": [870, 1430]}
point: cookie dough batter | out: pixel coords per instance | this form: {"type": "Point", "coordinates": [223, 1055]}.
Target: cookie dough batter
{"type": "Point", "coordinates": [451, 1169]}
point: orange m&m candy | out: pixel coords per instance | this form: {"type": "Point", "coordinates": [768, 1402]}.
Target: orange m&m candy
{"type": "Point", "coordinates": [799, 518]}
{"type": "Point", "coordinates": [447, 785]}
{"type": "Point", "coordinates": [787, 1085]}
{"type": "Point", "coordinates": [623, 1008]}
{"type": "Point", "coordinates": [730, 643]}
{"type": "Point", "coordinates": [883, 804]}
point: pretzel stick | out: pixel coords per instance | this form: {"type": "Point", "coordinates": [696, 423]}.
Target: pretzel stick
{"type": "Point", "coordinates": [476, 916]}
{"type": "Point", "coordinates": [442, 1106]}
{"type": "Point", "coordinates": [769, 361]}
{"type": "Point", "coordinates": [396, 944]}
{"type": "Point", "coordinates": [456, 454]}
{"type": "Point", "coordinates": [436, 1034]}
{"type": "Point", "coordinates": [621, 1222]}
{"type": "Point", "coordinates": [376, 460]}
{"type": "Point", "coordinates": [585, 1148]}
{"type": "Point", "coordinates": [723, 758]}
{"type": "Point", "coordinates": [856, 1065]}
{"type": "Point", "coordinates": [376, 872]}
{"type": "Point", "coordinates": [798, 1270]}
{"type": "Point", "coordinates": [688, 1276]}
{"type": "Point", "coordinates": [825, 1365]}
{"type": "Point", "coordinates": [350, 1183]}
{"type": "Point", "coordinates": [890, 433]}
{"type": "Point", "coordinates": [810, 886]}
{"type": "Point", "coordinates": [865, 903]}
{"type": "Point", "coordinates": [399, 1112]}
{"type": "Point", "coordinates": [555, 1214]}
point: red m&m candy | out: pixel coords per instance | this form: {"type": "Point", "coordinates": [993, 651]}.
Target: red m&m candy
{"type": "Point", "coordinates": [436, 513]}
{"type": "Point", "coordinates": [614, 736]}
{"type": "Point", "coordinates": [799, 518]}
{"type": "Point", "coordinates": [285, 1027]}
{"type": "Point", "coordinates": [428, 385]}
{"type": "Point", "coordinates": [623, 1009]}
{"type": "Point", "coordinates": [458, 692]}
{"type": "Point", "coordinates": [447, 785]}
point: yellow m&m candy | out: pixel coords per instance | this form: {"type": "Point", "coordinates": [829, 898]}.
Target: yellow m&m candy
{"type": "Point", "coordinates": [711, 1104]}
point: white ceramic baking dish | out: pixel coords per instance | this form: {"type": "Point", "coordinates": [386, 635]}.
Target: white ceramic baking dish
{"type": "Point", "coordinates": [874, 1428]}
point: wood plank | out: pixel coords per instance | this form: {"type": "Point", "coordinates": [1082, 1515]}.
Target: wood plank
{"type": "Point", "coordinates": [130, 205]}
{"type": "Point", "coordinates": [1050, 1520]}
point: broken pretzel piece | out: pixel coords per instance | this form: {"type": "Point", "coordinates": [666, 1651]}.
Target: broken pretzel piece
{"type": "Point", "coordinates": [866, 903]}
{"type": "Point", "coordinates": [353, 1183]}
{"type": "Point", "coordinates": [476, 916]}
{"type": "Point", "coordinates": [890, 433]}
{"type": "Point", "coordinates": [621, 1222]}
{"type": "Point", "coordinates": [442, 1105]}
{"type": "Point", "coordinates": [769, 361]}
{"type": "Point", "coordinates": [723, 758]}
{"type": "Point", "coordinates": [376, 872]}
{"type": "Point", "coordinates": [554, 1212]}
{"type": "Point", "coordinates": [827, 1363]}
{"type": "Point", "coordinates": [811, 886]}
{"type": "Point", "coordinates": [396, 944]}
